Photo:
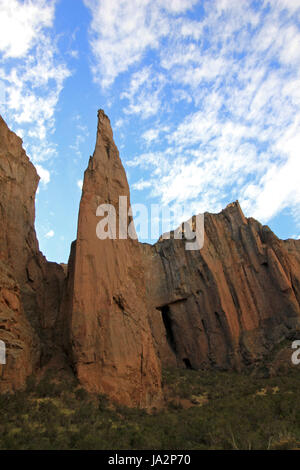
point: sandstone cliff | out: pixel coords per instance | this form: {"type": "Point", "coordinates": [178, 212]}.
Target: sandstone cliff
{"type": "Point", "coordinates": [108, 332]}
{"type": "Point", "coordinates": [227, 304]}
{"type": "Point", "coordinates": [124, 307]}
{"type": "Point", "coordinates": [30, 287]}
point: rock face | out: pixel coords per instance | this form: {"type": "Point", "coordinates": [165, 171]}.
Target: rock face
{"type": "Point", "coordinates": [22, 344]}
{"type": "Point", "coordinates": [30, 287]}
{"type": "Point", "coordinates": [107, 328]}
{"type": "Point", "coordinates": [121, 308]}
{"type": "Point", "coordinates": [227, 304]}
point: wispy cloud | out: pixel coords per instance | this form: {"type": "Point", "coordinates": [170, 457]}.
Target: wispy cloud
{"type": "Point", "coordinates": [122, 31]}
{"type": "Point", "coordinates": [43, 174]}
{"type": "Point", "coordinates": [50, 234]}
{"type": "Point", "coordinates": [35, 78]}
{"type": "Point", "coordinates": [82, 134]}
{"type": "Point", "coordinates": [21, 25]}
{"type": "Point", "coordinates": [144, 93]}
{"type": "Point", "coordinates": [227, 83]}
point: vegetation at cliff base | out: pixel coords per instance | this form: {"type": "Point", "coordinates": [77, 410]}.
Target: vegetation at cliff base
{"type": "Point", "coordinates": [205, 410]}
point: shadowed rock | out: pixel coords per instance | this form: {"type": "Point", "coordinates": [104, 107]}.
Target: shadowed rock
{"type": "Point", "coordinates": [120, 308]}
{"type": "Point", "coordinates": [30, 287]}
{"type": "Point", "coordinates": [227, 304]}
{"type": "Point", "coordinates": [108, 332]}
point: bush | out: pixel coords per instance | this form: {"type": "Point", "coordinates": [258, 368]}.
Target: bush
{"type": "Point", "coordinates": [239, 412]}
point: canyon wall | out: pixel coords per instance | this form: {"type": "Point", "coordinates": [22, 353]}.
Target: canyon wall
{"type": "Point", "coordinates": [121, 309]}
{"type": "Point", "coordinates": [30, 287]}
{"type": "Point", "coordinates": [229, 303]}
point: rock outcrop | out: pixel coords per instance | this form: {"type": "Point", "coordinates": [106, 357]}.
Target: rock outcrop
{"type": "Point", "coordinates": [229, 303]}
{"type": "Point", "coordinates": [30, 287]}
{"type": "Point", "coordinates": [121, 308]}
{"type": "Point", "coordinates": [107, 329]}
{"type": "Point", "coordinates": [21, 343]}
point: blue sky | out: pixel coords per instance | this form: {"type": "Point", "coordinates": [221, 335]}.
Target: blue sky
{"type": "Point", "coordinates": [203, 97]}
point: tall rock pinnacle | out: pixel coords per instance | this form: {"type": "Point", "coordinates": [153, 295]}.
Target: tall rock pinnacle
{"type": "Point", "coordinates": [108, 331]}
{"type": "Point", "coordinates": [124, 305]}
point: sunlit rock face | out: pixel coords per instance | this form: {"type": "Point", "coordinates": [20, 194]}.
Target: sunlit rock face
{"type": "Point", "coordinates": [107, 331]}
{"type": "Point", "coordinates": [227, 304]}
{"type": "Point", "coordinates": [121, 309]}
{"type": "Point", "coordinates": [30, 287]}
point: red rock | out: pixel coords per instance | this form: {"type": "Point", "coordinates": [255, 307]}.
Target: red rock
{"type": "Point", "coordinates": [229, 303]}
{"type": "Point", "coordinates": [127, 306]}
{"type": "Point", "coordinates": [34, 300]}
{"type": "Point", "coordinates": [22, 344]}
{"type": "Point", "coordinates": [109, 334]}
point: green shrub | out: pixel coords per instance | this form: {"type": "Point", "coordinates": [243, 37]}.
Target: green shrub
{"type": "Point", "coordinates": [240, 411]}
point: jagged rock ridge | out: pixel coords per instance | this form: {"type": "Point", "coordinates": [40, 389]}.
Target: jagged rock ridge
{"type": "Point", "coordinates": [125, 307]}
{"type": "Point", "coordinates": [227, 304]}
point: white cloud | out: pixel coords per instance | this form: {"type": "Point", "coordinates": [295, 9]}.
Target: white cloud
{"type": "Point", "coordinates": [239, 67]}
{"type": "Point", "coordinates": [74, 54]}
{"type": "Point", "coordinates": [34, 80]}
{"type": "Point", "coordinates": [122, 31]}
{"type": "Point", "coordinates": [80, 184]}
{"type": "Point", "coordinates": [119, 123]}
{"type": "Point", "coordinates": [292, 6]}
{"type": "Point", "coordinates": [83, 133]}
{"type": "Point", "coordinates": [153, 134]}
{"type": "Point", "coordinates": [140, 185]}
{"type": "Point", "coordinates": [150, 135]}
{"type": "Point", "coordinates": [143, 93]}
{"type": "Point", "coordinates": [43, 174]}
{"type": "Point", "coordinates": [181, 95]}
{"type": "Point", "coordinates": [50, 234]}
{"type": "Point", "coordinates": [279, 187]}
{"type": "Point", "coordinates": [22, 23]}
